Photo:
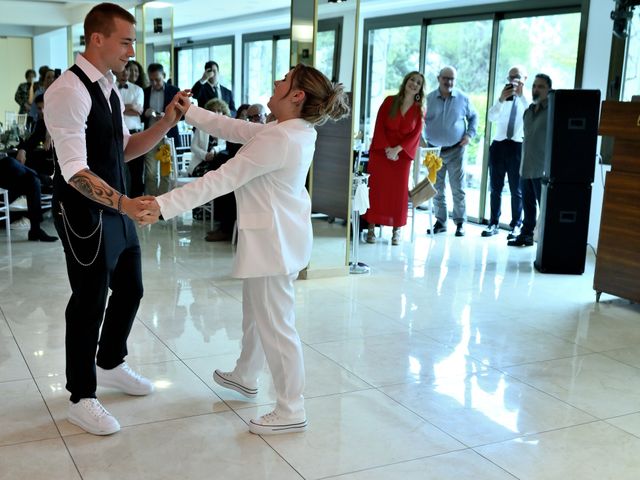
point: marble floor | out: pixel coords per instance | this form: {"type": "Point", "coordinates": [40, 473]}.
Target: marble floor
{"type": "Point", "coordinates": [452, 359]}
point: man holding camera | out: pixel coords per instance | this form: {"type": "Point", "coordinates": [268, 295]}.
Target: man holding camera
{"type": "Point", "coordinates": [208, 87]}
{"type": "Point", "coordinates": [505, 151]}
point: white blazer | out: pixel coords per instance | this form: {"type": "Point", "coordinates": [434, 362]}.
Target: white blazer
{"type": "Point", "coordinates": [268, 176]}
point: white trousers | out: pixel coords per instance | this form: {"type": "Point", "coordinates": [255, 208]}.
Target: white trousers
{"type": "Point", "coordinates": [268, 331]}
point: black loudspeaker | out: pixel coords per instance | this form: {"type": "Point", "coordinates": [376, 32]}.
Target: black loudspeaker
{"type": "Point", "coordinates": [563, 226]}
{"type": "Point", "coordinates": [572, 133]}
{"type": "Point", "coordinates": [157, 25]}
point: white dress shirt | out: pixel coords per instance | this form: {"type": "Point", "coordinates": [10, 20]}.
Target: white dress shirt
{"type": "Point", "coordinates": [268, 177]}
{"type": "Point", "coordinates": [67, 107]}
{"type": "Point", "coordinates": [132, 95]}
{"type": "Point", "coordinates": [500, 112]}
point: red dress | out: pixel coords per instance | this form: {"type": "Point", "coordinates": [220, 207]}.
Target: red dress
{"type": "Point", "coordinates": [389, 180]}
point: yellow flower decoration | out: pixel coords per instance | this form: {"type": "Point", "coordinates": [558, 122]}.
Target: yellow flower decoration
{"type": "Point", "coordinates": [163, 155]}
{"type": "Point", "coordinates": [433, 163]}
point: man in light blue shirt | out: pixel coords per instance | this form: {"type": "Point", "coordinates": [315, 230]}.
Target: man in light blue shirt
{"type": "Point", "coordinates": [451, 123]}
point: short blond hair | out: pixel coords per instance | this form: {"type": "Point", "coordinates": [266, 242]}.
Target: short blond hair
{"type": "Point", "coordinates": [217, 105]}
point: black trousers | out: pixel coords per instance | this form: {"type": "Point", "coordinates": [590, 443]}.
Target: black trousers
{"type": "Point", "coordinates": [135, 177]}
{"type": "Point", "coordinates": [531, 195]}
{"type": "Point", "coordinates": [504, 158]}
{"type": "Point", "coordinates": [20, 180]}
{"type": "Point", "coordinates": [117, 267]}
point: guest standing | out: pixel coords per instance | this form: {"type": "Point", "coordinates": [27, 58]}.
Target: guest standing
{"type": "Point", "coordinates": [395, 141]}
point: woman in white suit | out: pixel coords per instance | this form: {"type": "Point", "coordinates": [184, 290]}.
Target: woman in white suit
{"type": "Point", "coordinates": [274, 230]}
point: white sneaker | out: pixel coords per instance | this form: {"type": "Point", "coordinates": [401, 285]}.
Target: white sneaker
{"type": "Point", "coordinates": [21, 224]}
{"type": "Point", "coordinates": [125, 379]}
{"type": "Point", "coordinates": [274, 424]}
{"type": "Point", "coordinates": [229, 380]}
{"type": "Point", "coordinates": [19, 204]}
{"type": "Point", "coordinates": [91, 416]}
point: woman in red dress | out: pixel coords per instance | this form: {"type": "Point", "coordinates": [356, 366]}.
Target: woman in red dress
{"type": "Point", "coordinates": [395, 141]}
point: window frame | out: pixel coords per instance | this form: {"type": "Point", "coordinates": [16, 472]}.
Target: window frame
{"type": "Point", "coordinates": [189, 45]}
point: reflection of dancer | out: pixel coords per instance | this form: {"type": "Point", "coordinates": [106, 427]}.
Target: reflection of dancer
{"type": "Point", "coordinates": [84, 116]}
{"type": "Point", "coordinates": [274, 230]}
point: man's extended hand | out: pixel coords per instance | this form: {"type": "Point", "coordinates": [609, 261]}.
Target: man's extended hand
{"type": "Point", "coordinates": [178, 107]}
{"type": "Point", "coordinates": [150, 212]}
{"type": "Point", "coordinates": [144, 210]}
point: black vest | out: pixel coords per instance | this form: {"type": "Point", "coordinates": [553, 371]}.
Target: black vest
{"type": "Point", "coordinates": [105, 151]}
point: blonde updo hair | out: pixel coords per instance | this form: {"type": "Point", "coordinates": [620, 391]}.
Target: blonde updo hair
{"type": "Point", "coordinates": [323, 100]}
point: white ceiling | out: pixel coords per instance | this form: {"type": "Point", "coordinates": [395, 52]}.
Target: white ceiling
{"type": "Point", "coordinates": [58, 13]}
{"type": "Point", "coordinates": [49, 14]}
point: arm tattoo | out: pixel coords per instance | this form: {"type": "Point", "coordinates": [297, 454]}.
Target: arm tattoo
{"type": "Point", "coordinates": [93, 187]}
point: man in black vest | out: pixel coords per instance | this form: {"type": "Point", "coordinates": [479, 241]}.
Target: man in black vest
{"type": "Point", "coordinates": [93, 215]}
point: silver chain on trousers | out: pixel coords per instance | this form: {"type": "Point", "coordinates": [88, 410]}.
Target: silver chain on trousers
{"type": "Point", "coordinates": [67, 227]}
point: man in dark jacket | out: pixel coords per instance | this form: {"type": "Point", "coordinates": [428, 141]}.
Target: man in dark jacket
{"type": "Point", "coordinates": [156, 98]}
{"type": "Point", "coordinates": [208, 87]}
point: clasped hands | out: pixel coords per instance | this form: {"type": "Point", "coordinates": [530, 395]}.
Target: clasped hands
{"type": "Point", "coordinates": [392, 152]}
{"type": "Point", "coordinates": [144, 209]}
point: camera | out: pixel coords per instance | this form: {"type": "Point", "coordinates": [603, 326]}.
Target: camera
{"type": "Point", "coordinates": [509, 86]}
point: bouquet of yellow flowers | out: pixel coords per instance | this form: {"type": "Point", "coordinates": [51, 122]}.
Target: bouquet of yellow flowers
{"type": "Point", "coordinates": [163, 155]}
{"type": "Point", "coordinates": [433, 162]}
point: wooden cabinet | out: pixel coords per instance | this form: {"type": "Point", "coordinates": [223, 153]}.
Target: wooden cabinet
{"type": "Point", "coordinates": [618, 261]}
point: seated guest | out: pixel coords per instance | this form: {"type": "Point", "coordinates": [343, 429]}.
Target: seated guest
{"type": "Point", "coordinates": [241, 113]}
{"type": "Point", "coordinates": [20, 180]}
{"type": "Point", "coordinates": [205, 148]}
{"type": "Point", "coordinates": [35, 151]}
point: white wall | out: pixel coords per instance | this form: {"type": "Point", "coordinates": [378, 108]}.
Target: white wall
{"type": "Point", "coordinates": [596, 72]}
{"type": "Point", "coordinates": [16, 53]}
{"type": "Point", "coordinates": [50, 49]}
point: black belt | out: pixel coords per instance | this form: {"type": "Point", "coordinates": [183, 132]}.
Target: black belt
{"type": "Point", "coordinates": [135, 131]}
{"type": "Point", "coordinates": [444, 149]}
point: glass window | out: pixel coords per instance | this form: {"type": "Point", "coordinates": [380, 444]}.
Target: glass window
{"type": "Point", "coordinates": [163, 57]}
{"type": "Point", "coordinates": [223, 56]}
{"type": "Point", "coordinates": [631, 85]}
{"type": "Point", "coordinates": [467, 47]}
{"type": "Point", "coordinates": [185, 62]}
{"type": "Point", "coordinates": [191, 63]}
{"type": "Point", "coordinates": [393, 52]}
{"type": "Point", "coordinates": [200, 57]}
{"type": "Point", "coordinates": [545, 44]}
{"type": "Point", "coordinates": [258, 81]}
{"type": "Point", "coordinates": [283, 58]}
{"type": "Point", "coordinates": [325, 51]}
